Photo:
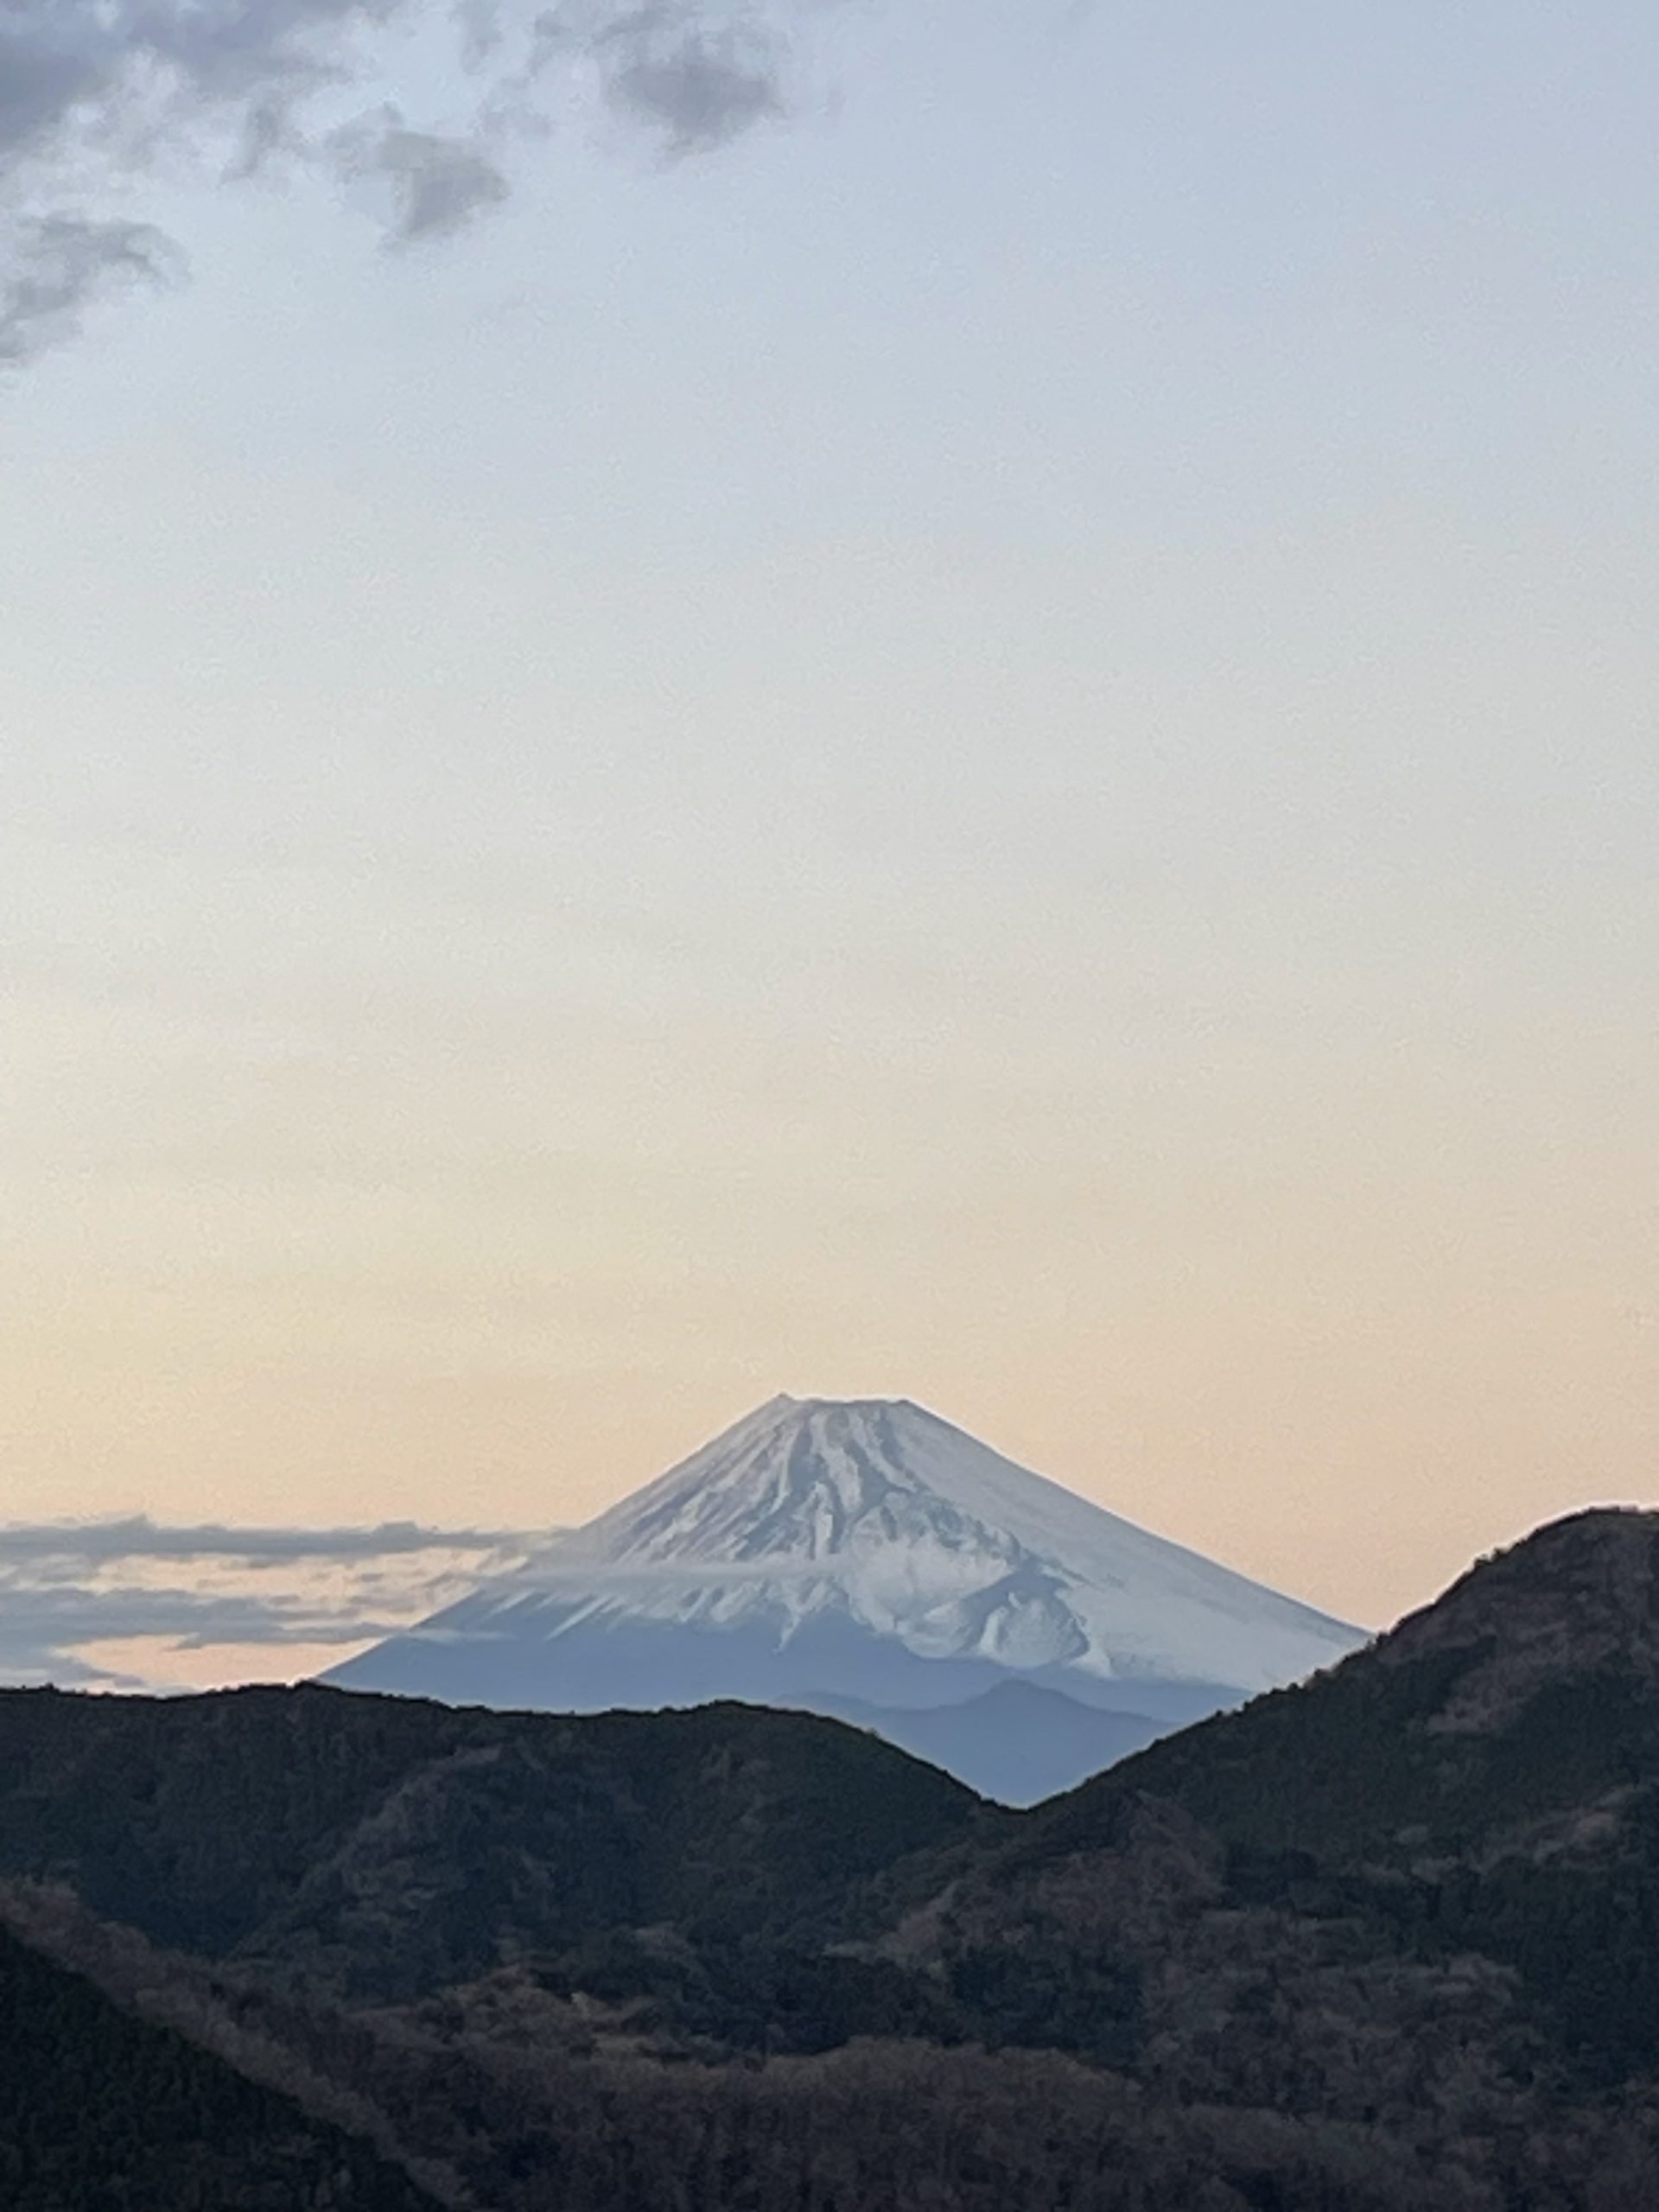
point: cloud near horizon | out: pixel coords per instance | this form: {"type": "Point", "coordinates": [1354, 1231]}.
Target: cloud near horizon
{"type": "Point", "coordinates": [97, 97]}
{"type": "Point", "coordinates": [69, 1588]}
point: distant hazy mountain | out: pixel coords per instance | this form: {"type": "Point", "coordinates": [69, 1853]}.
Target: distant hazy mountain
{"type": "Point", "coordinates": [1017, 1743]}
{"type": "Point", "coordinates": [866, 1558]}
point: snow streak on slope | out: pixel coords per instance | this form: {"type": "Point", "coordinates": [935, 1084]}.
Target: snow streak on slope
{"type": "Point", "coordinates": [879, 1518]}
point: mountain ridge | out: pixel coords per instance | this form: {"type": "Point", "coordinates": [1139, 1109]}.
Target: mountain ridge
{"type": "Point", "coordinates": [1386, 1940]}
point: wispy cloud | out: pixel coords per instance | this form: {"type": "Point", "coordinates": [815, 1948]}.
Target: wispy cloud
{"type": "Point", "coordinates": [98, 97]}
{"type": "Point", "coordinates": [140, 1537]}
{"type": "Point", "coordinates": [70, 1590]}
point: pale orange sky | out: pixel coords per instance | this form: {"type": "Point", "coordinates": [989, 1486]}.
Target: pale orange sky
{"type": "Point", "coordinates": [1322, 1239]}
{"type": "Point", "coordinates": [1342, 1318]}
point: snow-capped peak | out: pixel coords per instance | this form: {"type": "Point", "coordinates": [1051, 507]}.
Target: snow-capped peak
{"type": "Point", "coordinates": [880, 1514]}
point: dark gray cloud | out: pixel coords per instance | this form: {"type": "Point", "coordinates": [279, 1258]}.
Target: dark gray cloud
{"type": "Point", "coordinates": [41, 82]}
{"type": "Point", "coordinates": [699, 92]}
{"type": "Point", "coordinates": [68, 1586]}
{"type": "Point", "coordinates": [53, 267]}
{"type": "Point", "coordinates": [437, 183]}
{"type": "Point", "coordinates": [126, 79]}
{"type": "Point", "coordinates": [53, 1619]}
{"type": "Point", "coordinates": [98, 95]}
{"type": "Point", "coordinates": [695, 83]}
{"type": "Point", "coordinates": [103, 1542]}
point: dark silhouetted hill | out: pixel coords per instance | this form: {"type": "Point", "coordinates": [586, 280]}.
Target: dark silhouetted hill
{"type": "Point", "coordinates": [1389, 1940]}
{"type": "Point", "coordinates": [388, 1847]}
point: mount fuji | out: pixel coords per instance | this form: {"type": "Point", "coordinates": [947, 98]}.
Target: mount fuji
{"type": "Point", "coordinates": [865, 1559]}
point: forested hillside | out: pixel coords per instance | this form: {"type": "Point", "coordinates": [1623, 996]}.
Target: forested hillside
{"type": "Point", "coordinates": [388, 1847]}
{"type": "Point", "coordinates": [98, 2109]}
{"type": "Point", "coordinates": [1385, 1941]}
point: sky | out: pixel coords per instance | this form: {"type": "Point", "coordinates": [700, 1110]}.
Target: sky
{"type": "Point", "coordinates": [880, 698]}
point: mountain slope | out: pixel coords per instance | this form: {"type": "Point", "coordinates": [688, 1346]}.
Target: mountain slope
{"type": "Point", "coordinates": [865, 1551]}
{"type": "Point", "coordinates": [1527, 1692]}
{"type": "Point", "coordinates": [1483, 1785]}
{"type": "Point", "coordinates": [98, 2108]}
{"type": "Point", "coordinates": [387, 1846]}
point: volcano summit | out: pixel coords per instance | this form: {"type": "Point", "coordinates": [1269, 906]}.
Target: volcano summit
{"type": "Point", "coordinates": [866, 1558]}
